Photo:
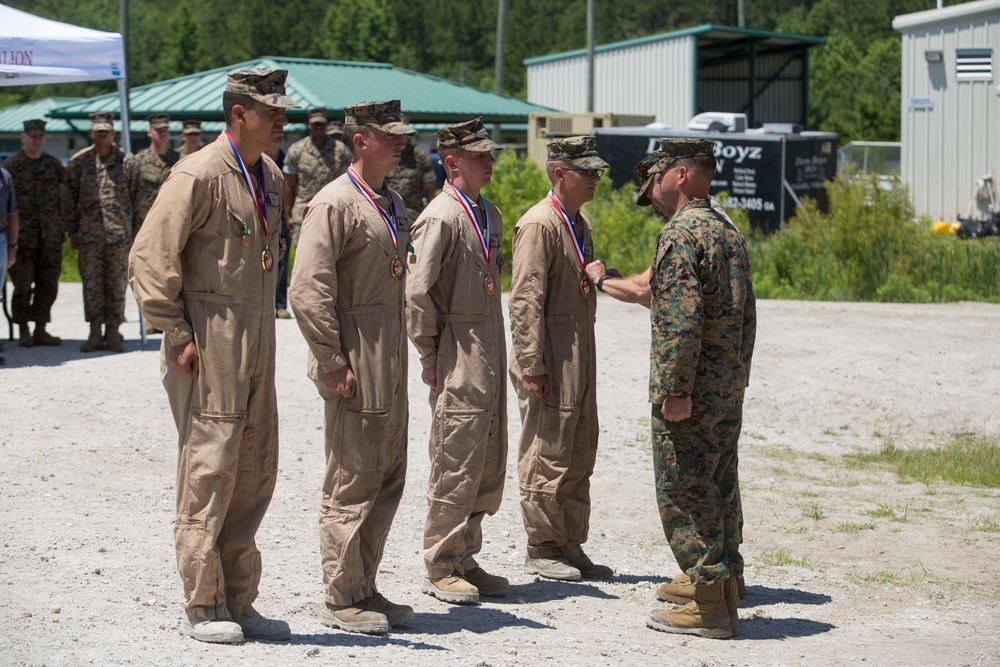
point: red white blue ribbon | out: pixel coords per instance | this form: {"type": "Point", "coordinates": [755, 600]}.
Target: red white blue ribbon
{"type": "Point", "coordinates": [258, 200]}
{"type": "Point", "coordinates": [388, 218]}
{"type": "Point", "coordinates": [577, 241]}
{"type": "Point", "coordinates": [484, 240]}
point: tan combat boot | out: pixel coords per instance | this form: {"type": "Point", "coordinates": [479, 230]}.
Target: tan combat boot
{"type": "Point", "coordinates": [452, 589]}
{"type": "Point", "coordinates": [95, 341]}
{"type": "Point", "coordinates": [357, 617]}
{"type": "Point", "coordinates": [113, 337]}
{"type": "Point", "coordinates": [732, 603]}
{"type": "Point", "coordinates": [398, 615]}
{"type": "Point", "coordinates": [707, 615]}
{"type": "Point", "coordinates": [43, 337]}
{"type": "Point", "coordinates": [680, 590]}
{"type": "Point", "coordinates": [489, 585]}
{"type": "Point", "coordinates": [25, 339]}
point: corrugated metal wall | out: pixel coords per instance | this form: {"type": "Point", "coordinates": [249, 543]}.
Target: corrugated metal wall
{"type": "Point", "coordinates": [779, 102]}
{"type": "Point", "coordinates": [946, 148]}
{"type": "Point", "coordinates": [647, 79]}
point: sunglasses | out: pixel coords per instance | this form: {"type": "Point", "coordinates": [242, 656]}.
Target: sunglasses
{"type": "Point", "coordinates": [589, 173]}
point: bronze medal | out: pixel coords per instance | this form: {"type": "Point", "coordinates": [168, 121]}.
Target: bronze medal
{"type": "Point", "coordinates": [585, 287]}
{"type": "Point", "coordinates": [396, 268]}
{"type": "Point", "coordinates": [267, 259]}
{"type": "Point", "coordinates": [489, 285]}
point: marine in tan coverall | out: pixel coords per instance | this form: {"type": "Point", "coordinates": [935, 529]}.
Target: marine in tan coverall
{"type": "Point", "coordinates": [553, 364]}
{"type": "Point", "coordinates": [455, 320]}
{"type": "Point", "coordinates": [202, 272]}
{"type": "Point", "coordinates": [348, 294]}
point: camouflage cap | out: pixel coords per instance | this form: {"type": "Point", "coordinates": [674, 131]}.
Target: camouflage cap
{"type": "Point", "coordinates": [334, 128]}
{"type": "Point", "coordinates": [100, 120]}
{"type": "Point", "coordinates": [581, 152]}
{"type": "Point", "coordinates": [317, 116]}
{"type": "Point", "coordinates": [675, 149]}
{"type": "Point", "coordinates": [192, 127]}
{"type": "Point", "coordinates": [470, 135]}
{"type": "Point", "coordinates": [263, 84]}
{"type": "Point", "coordinates": [383, 116]}
{"type": "Point", "coordinates": [34, 127]}
{"type": "Point", "coordinates": [645, 178]}
{"type": "Point", "coordinates": [158, 120]}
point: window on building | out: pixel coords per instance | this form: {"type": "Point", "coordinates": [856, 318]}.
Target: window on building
{"type": "Point", "coordinates": [974, 64]}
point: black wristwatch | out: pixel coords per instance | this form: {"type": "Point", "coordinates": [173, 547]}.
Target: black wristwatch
{"type": "Point", "coordinates": [12, 245]}
{"type": "Point", "coordinates": [600, 281]}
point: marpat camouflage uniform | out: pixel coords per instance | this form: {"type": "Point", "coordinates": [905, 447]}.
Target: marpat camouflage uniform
{"type": "Point", "coordinates": [101, 215]}
{"type": "Point", "coordinates": [408, 179]}
{"type": "Point", "coordinates": [38, 184]}
{"type": "Point", "coordinates": [703, 319]}
{"type": "Point", "coordinates": [153, 169]}
{"type": "Point", "coordinates": [314, 167]}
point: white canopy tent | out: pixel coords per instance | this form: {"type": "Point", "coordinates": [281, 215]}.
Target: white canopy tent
{"type": "Point", "coordinates": [34, 50]}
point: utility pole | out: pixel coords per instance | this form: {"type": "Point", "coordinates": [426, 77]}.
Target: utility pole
{"type": "Point", "coordinates": [498, 72]}
{"type": "Point", "coordinates": [124, 114]}
{"type": "Point", "coordinates": [741, 15]}
{"type": "Point", "coordinates": [590, 56]}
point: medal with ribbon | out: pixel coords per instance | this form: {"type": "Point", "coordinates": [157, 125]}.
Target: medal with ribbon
{"type": "Point", "coordinates": [489, 285]}
{"type": "Point", "coordinates": [396, 267]}
{"type": "Point", "coordinates": [578, 241]}
{"type": "Point", "coordinates": [266, 257]}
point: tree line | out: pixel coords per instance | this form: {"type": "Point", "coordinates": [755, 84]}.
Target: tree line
{"type": "Point", "coordinates": [854, 78]}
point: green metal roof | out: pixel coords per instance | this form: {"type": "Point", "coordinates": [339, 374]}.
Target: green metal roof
{"type": "Point", "coordinates": [319, 83]}
{"type": "Point", "coordinates": [708, 34]}
{"type": "Point", "coordinates": [12, 118]}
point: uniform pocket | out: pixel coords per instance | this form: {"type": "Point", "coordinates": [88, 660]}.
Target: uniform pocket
{"type": "Point", "coordinates": [457, 465]}
{"type": "Point", "coordinates": [563, 361]}
{"type": "Point", "coordinates": [362, 437]}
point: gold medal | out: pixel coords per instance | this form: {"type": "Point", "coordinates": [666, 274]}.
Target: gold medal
{"type": "Point", "coordinates": [267, 259]}
{"type": "Point", "coordinates": [489, 286]}
{"type": "Point", "coordinates": [585, 287]}
{"type": "Point", "coordinates": [396, 268]}
{"type": "Point", "coordinates": [246, 240]}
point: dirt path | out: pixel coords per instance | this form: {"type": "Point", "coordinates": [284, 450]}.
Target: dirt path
{"type": "Point", "coordinates": [845, 565]}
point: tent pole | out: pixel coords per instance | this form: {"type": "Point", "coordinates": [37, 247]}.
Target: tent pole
{"type": "Point", "coordinates": [127, 146]}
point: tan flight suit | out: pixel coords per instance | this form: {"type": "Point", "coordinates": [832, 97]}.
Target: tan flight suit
{"type": "Point", "coordinates": [458, 328]}
{"type": "Point", "coordinates": [350, 310]}
{"type": "Point", "coordinates": [552, 330]}
{"type": "Point", "coordinates": [194, 278]}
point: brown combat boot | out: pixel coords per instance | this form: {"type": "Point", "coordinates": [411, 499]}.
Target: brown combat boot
{"type": "Point", "coordinates": [113, 337]}
{"type": "Point", "coordinates": [732, 603]}
{"type": "Point", "coordinates": [25, 339]}
{"type": "Point", "coordinates": [680, 590]}
{"type": "Point", "coordinates": [452, 589]}
{"type": "Point", "coordinates": [95, 341]}
{"type": "Point", "coordinates": [43, 337]}
{"type": "Point", "coordinates": [707, 615]}
{"type": "Point", "coordinates": [489, 585]}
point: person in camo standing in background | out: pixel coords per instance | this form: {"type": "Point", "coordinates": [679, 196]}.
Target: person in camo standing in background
{"type": "Point", "coordinates": [414, 178]}
{"type": "Point", "coordinates": [310, 163]}
{"type": "Point", "coordinates": [191, 137]}
{"type": "Point", "coordinates": [348, 293]}
{"type": "Point", "coordinates": [203, 271]}
{"type": "Point", "coordinates": [553, 364]}
{"type": "Point", "coordinates": [38, 181]}
{"type": "Point", "coordinates": [102, 183]}
{"type": "Point", "coordinates": [455, 320]}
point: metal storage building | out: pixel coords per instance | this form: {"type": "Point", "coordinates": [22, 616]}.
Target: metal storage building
{"type": "Point", "coordinates": [676, 75]}
{"type": "Point", "coordinates": [950, 103]}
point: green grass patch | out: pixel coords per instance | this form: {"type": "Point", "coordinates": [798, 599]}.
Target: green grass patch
{"type": "Point", "coordinates": [986, 524]}
{"type": "Point", "coordinates": [965, 460]}
{"type": "Point", "coordinates": [813, 511]}
{"type": "Point", "coordinates": [853, 528]}
{"type": "Point", "coordinates": [783, 558]}
{"type": "Point", "coordinates": [891, 512]}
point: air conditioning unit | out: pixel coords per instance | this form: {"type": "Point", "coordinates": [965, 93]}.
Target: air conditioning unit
{"type": "Point", "coordinates": [718, 121]}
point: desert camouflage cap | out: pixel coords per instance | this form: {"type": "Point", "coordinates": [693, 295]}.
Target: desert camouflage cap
{"type": "Point", "coordinates": [383, 116]}
{"type": "Point", "coordinates": [158, 120]}
{"type": "Point", "coordinates": [263, 84]}
{"type": "Point", "coordinates": [34, 126]}
{"type": "Point", "coordinates": [317, 116]}
{"type": "Point", "coordinates": [470, 135]}
{"type": "Point", "coordinates": [675, 149]}
{"type": "Point", "coordinates": [100, 120]}
{"type": "Point", "coordinates": [645, 178]}
{"type": "Point", "coordinates": [335, 128]}
{"type": "Point", "coordinates": [192, 127]}
{"type": "Point", "coordinates": [580, 152]}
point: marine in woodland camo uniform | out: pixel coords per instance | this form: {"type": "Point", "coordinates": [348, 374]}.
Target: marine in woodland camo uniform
{"type": "Point", "coordinates": [39, 186]}
{"type": "Point", "coordinates": [313, 166]}
{"type": "Point", "coordinates": [153, 169]}
{"type": "Point", "coordinates": [409, 180]}
{"type": "Point", "coordinates": [101, 219]}
{"type": "Point", "coordinates": [703, 321]}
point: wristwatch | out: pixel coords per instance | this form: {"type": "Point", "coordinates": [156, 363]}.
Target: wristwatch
{"type": "Point", "coordinates": [12, 245]}
{"type": "Point", "coordinates": [600, 281]}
